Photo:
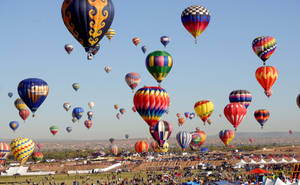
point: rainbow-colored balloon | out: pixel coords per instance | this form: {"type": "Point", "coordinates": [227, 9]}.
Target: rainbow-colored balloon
{"type": "Point", "coordinates": [262, 116]}
{"type": "Point", "coordinates": [159, 64]}
{"type": "Point", "coordinates": [151, 103]}
{"type": "Point", "coordinates": [141, 146]}
{"type": "Point", "coordinates": [22, 149]}
{"type": "Point", "coordinates": [226, 136]}
{"type": "Point", "coordinates": [264, 47]}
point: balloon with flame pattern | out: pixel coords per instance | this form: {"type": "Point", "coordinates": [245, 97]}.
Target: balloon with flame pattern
{"type": "Point", "coordinates": [266, 76]}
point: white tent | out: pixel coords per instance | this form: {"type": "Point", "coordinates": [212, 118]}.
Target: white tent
{"type": "Point", "coordinates": [279, 182]}
{"type": "Point", "coordinates": [241, 163]}
{"type": "Point", "coordinates": [283, 160]}
{"type": "Point", "coordinates": [262, 161]}
{"type": "Point", "coordinates": [252, 162]}
{"type": "Point", "coordinates": [293, 160]}
{"type": "Point", "coordinates": [272, 161]}
{"type": "Point", "coordinates": [268, 182]}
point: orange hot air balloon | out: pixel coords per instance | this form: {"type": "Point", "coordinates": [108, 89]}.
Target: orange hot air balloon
{"type": "Point", "coordinates": [178, 115]}
{"type": "Point", "coordinates": [141, 146]}
{"type": "Point", "coordinates": [181, 121]}
{"type": "Point", "coordinates": [266, 76]}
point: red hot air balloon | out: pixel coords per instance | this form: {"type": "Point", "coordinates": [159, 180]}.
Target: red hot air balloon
{"type": "Point", "coordinates": [291, 132]}
{"type": "Point", "coordinates": [266, 76]}
{"type": "Point", "coordinates": [151, 103]}
{"type": "Point", "coordinates": [235, 113]}
{"type": "Point", "coordinates": [141, 146]}
{"type": "Point", "coordinates": [181, 121]}
{"type": "Point", "coordinates": [24, 114]}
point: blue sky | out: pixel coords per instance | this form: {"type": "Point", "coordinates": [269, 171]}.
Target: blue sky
{"type": "Point", "coordinates": [33, 36]}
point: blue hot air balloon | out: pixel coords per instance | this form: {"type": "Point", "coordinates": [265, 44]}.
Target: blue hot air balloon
{"type": "Point", "coordinates": [10, 94]}
{"type": "Point", "coordinates": [183, 139]}
{"type": "Point", "coordinates": [33, 92]}
{"type": "Point", "coordinates": [165, 40]}
{"type": "Point", "coordinates": [69, 129]}
{"type": "Point", "coordinates": [77, 112]}
{"type": "Point", "coordinates": [144, 49]}
{"type": "Point", "coordinates": [14, 125]}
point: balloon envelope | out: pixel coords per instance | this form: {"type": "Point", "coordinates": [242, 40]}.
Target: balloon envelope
{"type": "Point", "coordinates": [204, 109]}
{"type": "Point", "coordinates": [4, 152]}
{"type": "Point", "coordinates": [161, 132]}
{"type": "Point", "coordinates": [262, 116]}
{"type": "Point", "coordinates": [141, 146]}
{"type": "Point", "coordinates": [53, 130]}
{"type": "Point", "coordinates": [183, 139]}
{"type": "Point", "coordinates": [226, 136]}
{"type": "Point", "coordinates": [14, 125]}
{"type": "Point", "coordinates": [22, 149]}
{"type": "Point", "coordinates": [78, 112]}
{"type": "Point", "coordinates": [240, 96]}
{"type": "Point", "coordinates": [264, 47]}
{"type": "Point", "coordinates": [132, 80]}
{"type": "Point", "coordinates": [235, 113]}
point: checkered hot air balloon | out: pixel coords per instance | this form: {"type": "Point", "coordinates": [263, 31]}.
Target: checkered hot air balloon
{"type": "Point", "coordinates": [141, 146]}
{"type": "Point", "coordinates": [235, 113]}
{"type": "Point", "coordinates": [4, 152]}
{"type": "Point", "coordinates": [161, 132]}
{"type": "Point", "coordinates": [37, 156]}
{"type": "Point", "coordinates": [22, 149]}
{"type": "Point", "coordinates": [204, 109]}
{"type": "Point", "coordinates": [151, 103]}
{"type": "Point", "coordinates": [33, 92]}
{"type": "Point", "coordinates": [226, 136]}
{"type": "Point", "coordinates": [240, 96]}
{"type": "Point", "coordinates": [195, 19]}
{"type": "Point", "coordinates": [132, 80]}
{"type": "Point", "coordinates": [262, 116]}
{"type": "Point", "coordinates": [159, 64]}
{"type": "Point", "coordinates": [264, 47]}
{"type": "Point", "coordinates": [266, 77]}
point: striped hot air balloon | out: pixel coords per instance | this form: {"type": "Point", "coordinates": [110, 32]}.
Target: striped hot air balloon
{"type": "Point", "coordinates": [183, 139]}
{"type": "Point", "coordinates": [240, 96]}
{"type": "Point", "coordinates": [141, 146]}
{"type": "Point", "coordinates": [24, 114]}
{"type": "Point", "coordinates": [264, 47]}
{"type": "Point", "coordinates": [53, 129]}
{"type": "Point", "coordinates": [262, 116]}
{"type": "Point", "coordinates": [204, 109]}
{"type": "Point", "coordinates": [161, 132]}
{"type": "Point", "coordinates": [110, 33]}
{"type": "Point", "coordinates": [159, 64]}
{"type": "Point", "coordinates": [136, 41]}
{"type": "Point", "coordinates": [4, 152]}
{"type": "Point", "coordinates": [235, 113]}
{"type": "Point", "coordinates": [151, 103]}
{"type": "Point", "coordinates": [22, 149]}
{"type": "Point", "coordinates": [132, 80]}
{"type": "Point", "coordinates": [114, 149]}
{"type": "Point", "coordinates": [88, 124]}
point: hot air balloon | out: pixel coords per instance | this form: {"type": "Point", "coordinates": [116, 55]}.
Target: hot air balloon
{"type": "Point", "coordinates": [116, 106]}
{"type": "Point", "coordinates": [178, 115]}
{"type": "Point", "coordinates": [132, 80]}
{"type": "Point", "coordinates": [136, 41]}
{"type": "Point", "coordinates": [144, 49]}
{"type": "Point", "coordinates": [69, 129]}
{"type": "Point", "coordinates": [240, 96]}
{"type": "Point", "coordinates": [298, 101]}
{"type": "Point", "coordinates": [161, 131]}
{"type": "Point", "coordinates": [107, 69]}
{"type": "Point", "coordinates": [67, 106]}
{"type": "Point", "coordinates": [88, 124]}
{"type": "Point", "coordinates": [251, 140]}
{"type": "Point", "coordinates": [141, 146]}
{"type": "Point", "coordinates": [159, 64]}
{"type": "Point", "coordinates": [19, 104]}
{"type": "Point", "coordinates": [183, 139]}
{"type": "Point", "coordinates": [262, 116]}
{"type": "Point", "coordinates": [209, 121]}
{"type": "Point", "coordinates": [53, 130]}
{"type": "Point", "coordinates": [118, 115]}
{"type": "Point", "coordinates": [10, 94]}
{"type": "Point", "coordinates": [110, 33]}
{"type": "Point", "coordinates": [235, 113]}
{"type": "Point", "coordinates": [76, 86]}
{"type": "Point", "coordinates": [77, 112]}
{"type": "Point", "coordinates": [37, 156]}
{"type": "Point", "coordinates": [126, 136]}
{"type": "Point", "coordinates": [164, 40]}
{"type": "Point", "coordinates": [226, 136]}
{"type": "Point", "coordinates": [122, 110]}
{"type": "Point", "coordinates": [202, 135]}
{"type": "Point", "coordinates": [90, 115]}
{"type": "Point", "coordinates": [181, 121]}
{"type": "Point", "coordinates": [192, 115]}
{"type": "Point", "coordinates": [14, 125]}
{"type": "Point", "coordinates": [91, 104]}
{"type": "Point", "coordinates": [4, 152]}
{"type": "Point", "coordinates": [114, 149]}
{"type": "Point", "coordinates": [24, 114]}
{"type": "Point", "coordinates": [264, 47]}
{"type": "Point", "coordinates": [151, 103]}
{"type": "Point", "coordinates": [33, 92]}
{"type": "Point", "coordinates": [186, 114]}
{"type": "Point", "coordinates": [69, 48]}
{"type": "Point", "coordinates": [291, 132]}
{"type": "Point", "coordinates": [87, 20]}
{"type": "Point", "coordinates": [204, 109]}
{"type": "Point", "coordinates": [153, 145]}
{"type": "Point", "coordinates": [74, 120]}
{"type": "Point", "coordinates": [162, 149]}
{"type": "Point", "coordinates": [40, 146]}
{"type": "Point", "coordinates": [111, 140]}
{"type": "Point", "coordinates": [266, 76]}
{"type": "Point", "coordinates": [22, 149]}
{"type": "Point", "coordinates": [195, 20]}
{"type": "Point", "coordinates": [197, 140]}
{"type": "Point", "coordinates": [133, 109]}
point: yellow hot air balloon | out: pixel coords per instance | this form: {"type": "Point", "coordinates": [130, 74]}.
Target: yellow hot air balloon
{"type": "Point", "coordinates": [204, 109]}
{"type": "Point", "coordinates": [22, 149]}
{"type": "Point", "coordinates": [163, 149]}
{"type": "Point", "coordinates": [110, 33]}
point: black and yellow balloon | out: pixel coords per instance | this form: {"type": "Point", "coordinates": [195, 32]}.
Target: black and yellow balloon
{"type": "Point", "coordinates": [88, 21]}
